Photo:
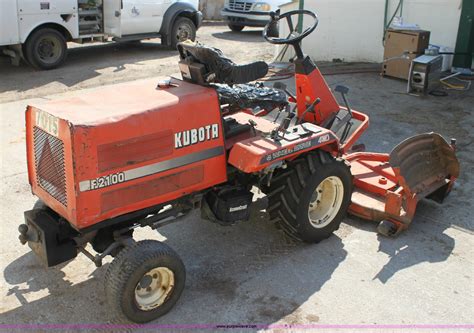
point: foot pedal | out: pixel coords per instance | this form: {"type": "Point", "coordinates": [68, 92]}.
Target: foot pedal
{"type": "Point", "coordinates": [340, 121]}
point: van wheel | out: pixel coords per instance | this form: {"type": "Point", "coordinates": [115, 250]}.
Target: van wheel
{"type": "Point", "coordinates": [183, 29]}
{"type": "Point", "coordinates": [46, 49]}
{"type": "Point", "coordinates": [235, 27]}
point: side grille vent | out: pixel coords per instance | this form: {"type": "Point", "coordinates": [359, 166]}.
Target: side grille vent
{"type": "Point", "coordinates": [49, 164]}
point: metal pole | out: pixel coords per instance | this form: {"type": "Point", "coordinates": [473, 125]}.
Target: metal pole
{"type": "Point", "coordinates": [465, 38]}
{"type": "Point", "coordinates": [300, 18]}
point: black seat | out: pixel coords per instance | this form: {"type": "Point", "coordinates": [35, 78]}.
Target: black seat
{"type": "Point", "coordinates": [208, 66]}
{"type": "Point", "coordinates": [219, 68]}
{"type": "Point", "coordinates": [252, 95]}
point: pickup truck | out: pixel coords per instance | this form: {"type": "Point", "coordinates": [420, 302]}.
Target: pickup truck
{"type": "Point", "coordinates": [37, 31]}
{"type": "Point", "coordinates": [252, 13]}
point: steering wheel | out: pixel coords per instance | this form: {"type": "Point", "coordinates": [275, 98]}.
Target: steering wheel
{"type": "Point", "coordinates": [294, 37]}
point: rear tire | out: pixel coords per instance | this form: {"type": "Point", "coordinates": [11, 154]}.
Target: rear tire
{"type": "Point", "coordinates": [144, 281]}
{"type": "Point", "coordinates": [45, 49]}
{"type": "Point", "coordinates": [297, 203]}
{"type": "Point", "coordinates": [235, 27]}
{"type": "Point", "coordinates": [183, 29]}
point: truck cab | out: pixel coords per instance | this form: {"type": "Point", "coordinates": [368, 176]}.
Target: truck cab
{"type": "Point", "coordinates": [38, 32]}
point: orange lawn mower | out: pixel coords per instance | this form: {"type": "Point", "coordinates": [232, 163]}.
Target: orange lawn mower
{"type": "Point", "coordinates": [137, 154]}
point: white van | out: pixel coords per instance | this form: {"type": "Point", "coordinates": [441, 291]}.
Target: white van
{"type": "Point", "coordinates": [38, 30]}
{"type": "Point", "coordinates": [252, 13]}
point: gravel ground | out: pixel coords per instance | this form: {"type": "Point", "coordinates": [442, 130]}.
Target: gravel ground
{"type": "Point", "coordinates": [250, 273]}
{"type": "Point", "coordinates": [101, 64]}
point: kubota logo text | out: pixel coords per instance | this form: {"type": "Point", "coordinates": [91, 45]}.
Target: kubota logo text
{"type": "Point", "coordinates": [196, 135]}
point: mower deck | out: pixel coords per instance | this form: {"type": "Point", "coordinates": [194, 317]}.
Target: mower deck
{"type": "Point", "coordinates": [388, 187]}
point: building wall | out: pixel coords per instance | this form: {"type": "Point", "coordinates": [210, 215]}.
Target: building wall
{"type": "Point", "coordinates": [353, 30]}
{"type": "Point", "coordinates": [211, 9]}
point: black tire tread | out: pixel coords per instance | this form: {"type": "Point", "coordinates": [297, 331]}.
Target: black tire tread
{"type": "Point", "coordinates": [236, 27]}
{"type": "Point", "coordinates": [29, 51]}
{"type": "Point", "coordinates": [124, 264]}
{"type": "Point", "coordinates": [283, 199]}
{"type": "Point", "coordinates": [179, 19]}
{"type": "Point", "coordinates": [291, 189]}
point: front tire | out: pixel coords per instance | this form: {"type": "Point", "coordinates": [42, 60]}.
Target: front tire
{"type": "Point", "coordinates": [46, 49]}
{"type": "Point", "coordinates": [183, 29]}
{"type": "Point", "coordinates": [236, 28]}
{"type": "Point", "coordinates": [144, 281]}
{"type": "Point", "coordinates": [309, 199]}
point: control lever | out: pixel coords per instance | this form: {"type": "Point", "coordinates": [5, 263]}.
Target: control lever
{"type": "Point", "coordinates": [287, 109]}
{"type": "Point", "coordinates": [311, 107]}
{"type": "Point", "coordinates": [343, 90]}
{"type": "Point", "coordinates": [284, 124]}
{"type": "Point", "coordinates": [253, 124]}
{"type": "Point", "coordinates": [282, 86]}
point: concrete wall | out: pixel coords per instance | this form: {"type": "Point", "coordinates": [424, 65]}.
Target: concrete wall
{"type": "Point", "coordinates": [353, 29]}
{"type": "Point", "coordinates": [211, 9]}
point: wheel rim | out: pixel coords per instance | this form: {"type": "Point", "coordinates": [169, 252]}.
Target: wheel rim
{"type": "Point", "coordinates": [326, 202]}
{"type": "Point", "coordinates": [154, 288]}
{"type": "Point", "coordinates": [183, 32]}
{"type": "Point", "coordinates": [49, 49]}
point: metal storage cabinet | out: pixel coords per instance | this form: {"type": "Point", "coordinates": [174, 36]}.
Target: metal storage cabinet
{"type": "Point", "coordinates": [396, 43]}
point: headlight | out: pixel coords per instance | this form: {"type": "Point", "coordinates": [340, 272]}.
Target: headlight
{"type": "Point", "coordinates": [262, 6]}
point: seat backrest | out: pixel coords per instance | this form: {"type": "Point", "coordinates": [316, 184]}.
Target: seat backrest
{"type": "Point", "coordinates": [202, 64]}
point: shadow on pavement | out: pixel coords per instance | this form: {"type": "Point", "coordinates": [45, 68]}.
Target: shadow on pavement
{"type": "Point", "coordinates": [249, 36]}
{"type": "Point", "coordinates": [423, 242]}
{"type": "Point", "coordinates": [84, 63]}
{"type": "Point", "coordinates": [64, 300]}
{"type": "Point", "coordinates": [15, 275]}
{"type": "Point", "coordinates": [248, 273]}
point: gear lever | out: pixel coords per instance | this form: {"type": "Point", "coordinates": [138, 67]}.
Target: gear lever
{"type": "Point", "coordinates": [282, 86]}
{"type": "Point", "coordinates": [343, 90]}
{"type": "Point", "coordinates": [284, 124]}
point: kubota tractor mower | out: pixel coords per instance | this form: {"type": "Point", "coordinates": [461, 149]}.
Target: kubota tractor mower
{"type": "Point", "coordinates": [138, 154]}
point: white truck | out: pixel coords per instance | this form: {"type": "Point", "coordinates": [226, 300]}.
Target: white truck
{"type": "Point", "coordinates": [38, 30]}
{"type": "Point", "coordinates": [252, 13]}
